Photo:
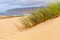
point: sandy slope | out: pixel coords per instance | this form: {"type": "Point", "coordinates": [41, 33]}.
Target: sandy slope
{"type": "Point", "coordinates": [49, 30]}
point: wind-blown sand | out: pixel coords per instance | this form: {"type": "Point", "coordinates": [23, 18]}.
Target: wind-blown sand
{"type": "Point", "coordinates": [49, 30]}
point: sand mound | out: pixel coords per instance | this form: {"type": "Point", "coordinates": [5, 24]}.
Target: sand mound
{"type": "Point", "coordinates": [49, 30]}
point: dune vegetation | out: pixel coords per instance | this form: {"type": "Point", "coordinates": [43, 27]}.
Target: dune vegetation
{"type": "Point", "coordinates": [41, 15]}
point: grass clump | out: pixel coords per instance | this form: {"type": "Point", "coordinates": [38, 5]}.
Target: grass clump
{"type": "Point", "coordinates": [43, 14]}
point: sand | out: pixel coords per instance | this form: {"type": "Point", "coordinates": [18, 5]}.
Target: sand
{"type": "Point", "coordinates": [49, 30]}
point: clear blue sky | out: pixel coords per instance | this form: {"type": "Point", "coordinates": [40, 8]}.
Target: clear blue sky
{"type": "Point", "coordinates": [9, 4]}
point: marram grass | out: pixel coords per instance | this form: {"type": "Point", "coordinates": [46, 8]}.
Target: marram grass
{"type": "Point", "coordinates": [43, 14]}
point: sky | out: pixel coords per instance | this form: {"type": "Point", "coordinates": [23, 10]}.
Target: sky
{"type": "Point", "coordinates": [9, 4]}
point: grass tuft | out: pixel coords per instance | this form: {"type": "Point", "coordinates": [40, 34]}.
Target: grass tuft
{"type": "Point", "coordinates": [43, 14]}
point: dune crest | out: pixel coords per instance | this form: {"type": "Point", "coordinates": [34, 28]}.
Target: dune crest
{"type": "Point", "coordinates": [49, 30]}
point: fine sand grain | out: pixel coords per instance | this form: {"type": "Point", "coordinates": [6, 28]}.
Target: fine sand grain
{"type": "Point", "coordinates": [49, 30]}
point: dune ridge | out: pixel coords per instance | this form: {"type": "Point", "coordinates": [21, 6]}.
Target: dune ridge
{"type": "Point", "coordinates": [49, 30]}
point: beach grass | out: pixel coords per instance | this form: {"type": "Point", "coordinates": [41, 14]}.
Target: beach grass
{"type": "Point", "coordinates": [41, 15]}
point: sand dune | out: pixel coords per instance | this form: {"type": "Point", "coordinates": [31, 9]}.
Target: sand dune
{"type": "Point", "coordinates": [49, 30]}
